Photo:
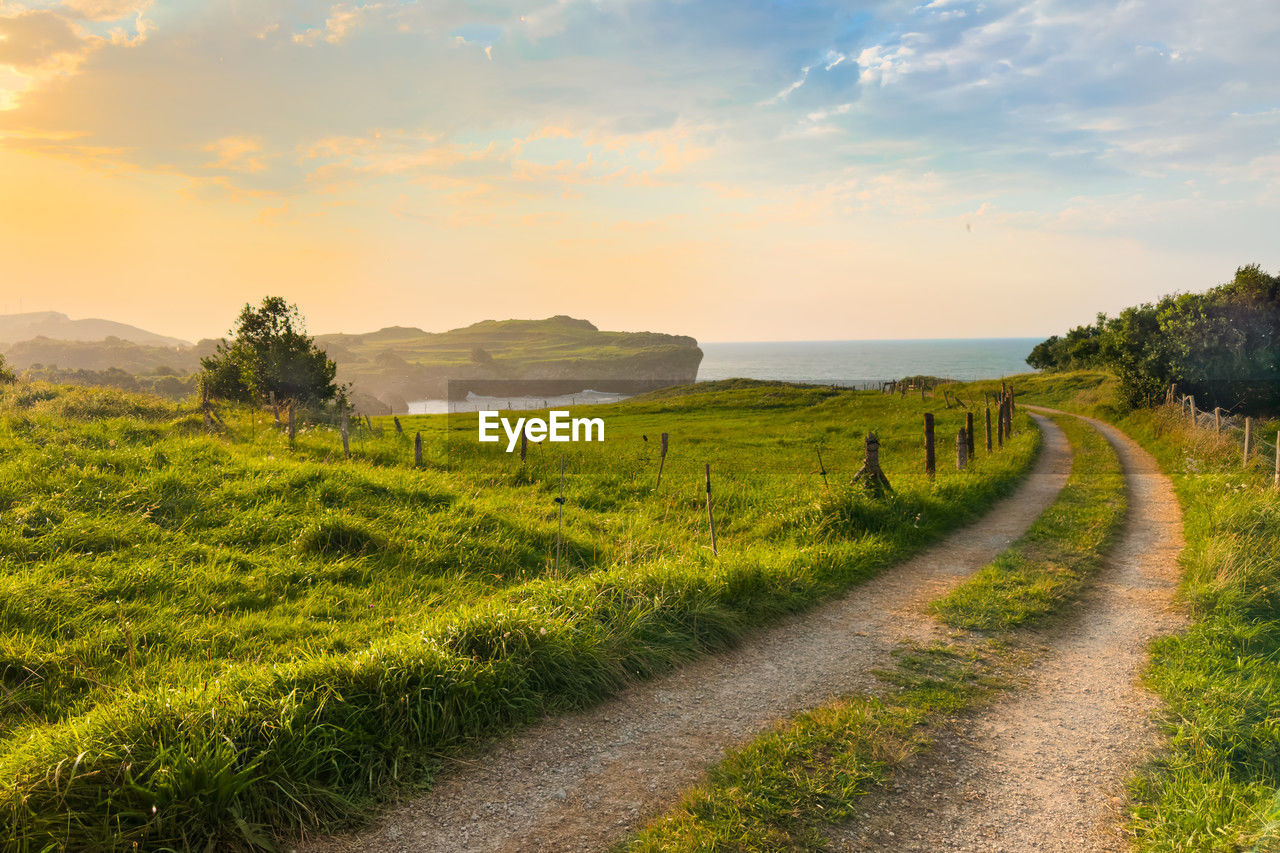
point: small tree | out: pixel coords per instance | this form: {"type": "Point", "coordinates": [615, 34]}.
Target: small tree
{"type": "Point", "coordinates": [7, 376]}
{"type": "Point", "coordinates": [271, 354]}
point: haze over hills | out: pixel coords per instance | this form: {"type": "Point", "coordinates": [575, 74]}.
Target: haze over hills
{"type": "Point", "coordinates": [59, 327]}
{"type": "Point", "coordinates": [384, 369]}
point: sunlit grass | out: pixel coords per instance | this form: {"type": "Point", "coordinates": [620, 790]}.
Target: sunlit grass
{"type": "Point", "coordinates": [206, 636]}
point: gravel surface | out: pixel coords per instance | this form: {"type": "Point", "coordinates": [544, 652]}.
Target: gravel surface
{"type": "Point", "coordinates": [582, 781]}
{"type": "Point", "coordinates": [1044, 768]}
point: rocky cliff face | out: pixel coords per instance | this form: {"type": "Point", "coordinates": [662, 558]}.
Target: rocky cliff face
{"type": "Point", "coordinates": [559, 355]}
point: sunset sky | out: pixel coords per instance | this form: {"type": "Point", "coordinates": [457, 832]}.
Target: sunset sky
{"type": "Point", "coordinates": [730, 170]}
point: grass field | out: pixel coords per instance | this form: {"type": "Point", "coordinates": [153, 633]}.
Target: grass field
{"type": "Point", "coordinates": [221, 639]}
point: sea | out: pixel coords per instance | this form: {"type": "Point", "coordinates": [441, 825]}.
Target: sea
{"type": "Point", "coordinates": [865, 363]}
{"type": "Point", "coordinates": [855, 364]}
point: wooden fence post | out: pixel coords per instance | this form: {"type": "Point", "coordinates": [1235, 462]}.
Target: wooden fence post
{"type": "Point", "coordinates": [988, 429]}
{"type": "Point", "coordinates": [399, 429]}
{"type": "Point", "coordinates": [962, 449]}
{"type": "Point", "coordinates": [662, 460]}
{"type": "Point", "coordinates": [930, 460]}
{"type": "Point", "coordinates": [1217, 419]}
{"type": "Point", "coordinates": [1248, 439]}
{"type": "Point", "coordinates": [1000, 426]}
{"type": "Point", "coordinates": [346, 436]}
{"type": "Point", "coordinates": [417, 450]}
{"type": "Point", "coordinates": [711, 519]}
{"type": "Point", "coordinates": [921, 392]}
{"type": "Point", "coordinates": [822, 469]}
{"type": "Point", "coordinates": [1191, 407]}
{"type": "Point", "coordinates": [560, 513]}
{"type": "Point", "coordinates": [870, 475]}
{"type": "Point", "coordinates": [968, 431]}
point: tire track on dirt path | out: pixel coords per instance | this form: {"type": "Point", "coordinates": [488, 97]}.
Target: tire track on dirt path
{"type": "Point", "coordinates": [1044, 767]}
{"type": "Point", "coordinates": [582, 781]}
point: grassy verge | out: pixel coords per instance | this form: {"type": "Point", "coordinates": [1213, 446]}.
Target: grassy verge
{"type": "Point", "coordinates": [225, 639]}
{"type": "Point", "coordinates": [1054, 559]}
{"type": "Point", "coordinates": [776, 792]}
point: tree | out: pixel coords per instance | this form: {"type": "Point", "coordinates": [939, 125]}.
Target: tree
{"type": "Point", "coordinates": [7, 376]}
{"type": "Point", "coordinates": [1221, 346]}
{"type": "Point", "coordinates": [271, 354]}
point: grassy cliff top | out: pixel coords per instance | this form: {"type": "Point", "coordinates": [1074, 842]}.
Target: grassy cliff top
{"type": "Point", "coordinates": [555, 338]}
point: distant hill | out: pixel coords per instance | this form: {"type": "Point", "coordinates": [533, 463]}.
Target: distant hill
{"type": "Point", "coordinates": [399, 364]}
{"type": "Point", "coordinates": [56, 326]}
{"type": "Point", "coordinates": [385, 369]}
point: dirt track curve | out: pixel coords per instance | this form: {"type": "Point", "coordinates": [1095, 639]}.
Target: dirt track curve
{"type": "Point", "coordinates": [582, 781]}
{"type": "Point", "coordinates": [1044, 768]}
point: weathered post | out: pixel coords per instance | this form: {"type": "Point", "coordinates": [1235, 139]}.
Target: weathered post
{"type": "Point", "coordinates": [662, 460]}
{"type": "Point", "coordinates": [1217, 419]}
{"type": "Point", "coordinates": [962, 449]}
{"type": "Point", "coordinates": [1191, 407]}
{"type": "Point", "coordinates": [560, 513]}
{"type": "Point", "coordinates": [930, 461]}
{"type": "Point", "coordinates": [711, 519]}
{"type": "Point", "coordinates": [417, 450]}
{"type": "Point", "coordinates": [1000, 426]}
{"type": "Point", "coordinates": [1248, 439]}
{"type": "Point", "coordinates": [399, 429]}
{"type": "Point", "coordinates": [968, 431]}
{"type": "Point", "coordinates": [1012, 405]}
{"type": "Point", "coordinates": [988, 429]}
{"type": "Point", "coordinates": [921, 392]}
{"type": "Point", "coordinates": [870, 475]}
{"type": "Point", "coordinates": [346, 436]}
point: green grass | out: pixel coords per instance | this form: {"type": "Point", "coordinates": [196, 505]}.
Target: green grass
{"type": "Point", "coordinates": [778, 790]}
{"type": "Point", "coordinates": [222, 639]}
{"type": "Point", "coordinates": [1057, 555]}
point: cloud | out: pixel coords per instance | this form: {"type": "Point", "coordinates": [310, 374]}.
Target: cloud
{"type": "Point", "coordinates": [236, 154]}
{"type": "Point", "coordinates": [42, 41]}
{"type": "Point", "coordinates": [340, 23]}
{"type": "Point", "coordinates": [105, 10]}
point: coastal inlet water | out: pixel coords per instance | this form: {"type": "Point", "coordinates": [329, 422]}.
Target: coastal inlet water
{"type": "Point", "coordinates": [859, 363]}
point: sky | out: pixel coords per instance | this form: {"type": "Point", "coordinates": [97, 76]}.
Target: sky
{"type": "Point", "coordinates": [729, 169]}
